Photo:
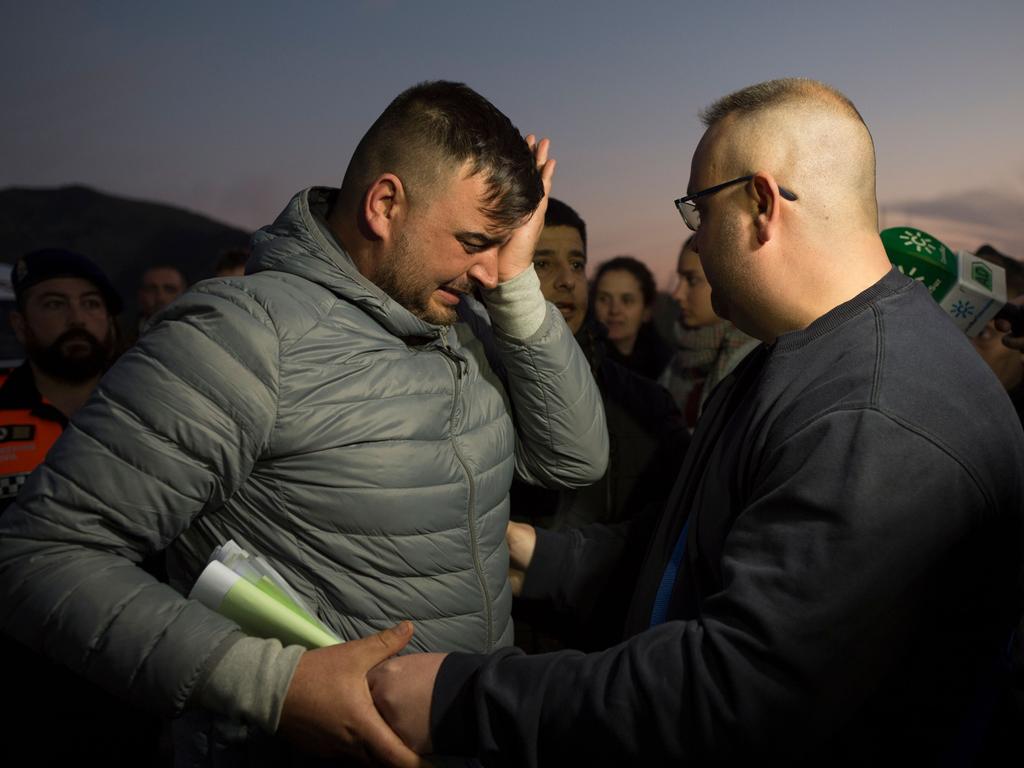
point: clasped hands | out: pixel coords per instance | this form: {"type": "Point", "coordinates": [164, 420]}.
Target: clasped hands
{"type": "Point", "coordinates": [360, 700]}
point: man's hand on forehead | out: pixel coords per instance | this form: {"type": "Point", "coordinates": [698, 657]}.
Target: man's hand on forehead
{"type": "Point", "coordinates": [516, 255]}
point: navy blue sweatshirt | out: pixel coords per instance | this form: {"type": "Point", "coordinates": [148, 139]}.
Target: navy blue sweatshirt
{"type": "Point", "coordinates": [851, 574]}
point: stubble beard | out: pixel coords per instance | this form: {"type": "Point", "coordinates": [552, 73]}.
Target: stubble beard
{"type": "Point", "coordinates": [401, 277]}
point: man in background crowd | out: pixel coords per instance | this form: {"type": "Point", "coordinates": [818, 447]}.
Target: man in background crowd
{"type": "Point", "coordinates": [231, 263]}
{"type": "Point", "coordinates": [66, 321]}
{"type": "Point", "coordinates": [646, 437]}
{"type": "Point", "coordinates": [160, 285]}
{"type": "Point", "coordinates": [1005, 361]}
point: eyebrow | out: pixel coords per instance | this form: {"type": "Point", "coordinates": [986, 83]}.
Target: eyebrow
{"type": "Point", "coordinates": [481, 239]}
{"type": "Point", "coordinates": [551, 252]}
{"type": "Point", "coordinates": [62, 295]}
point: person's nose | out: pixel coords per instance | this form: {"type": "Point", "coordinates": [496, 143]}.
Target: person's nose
{"type": "Point", "coordinates": [76, 315]}
{"type": "Point", "coordinates": [679, 294]}
{"type": "Point", "coordinates": [565, 278]}
{"type": "Point", "coordinates": [485, 268]}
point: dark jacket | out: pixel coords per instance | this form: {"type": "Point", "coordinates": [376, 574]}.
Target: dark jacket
{"type": "Point", "coordinates": [647, 440]}
{"type": "Point", "coordinates": [650, 356]}
{"type": "Point", "coordinates": [847, 585]}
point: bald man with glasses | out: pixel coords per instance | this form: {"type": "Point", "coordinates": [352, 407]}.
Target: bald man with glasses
{"type": "Point", "coordinates": [835, 578]}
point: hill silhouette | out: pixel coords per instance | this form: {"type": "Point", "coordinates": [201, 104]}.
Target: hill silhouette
{"type": "Point", "coordinates": [123, 236]}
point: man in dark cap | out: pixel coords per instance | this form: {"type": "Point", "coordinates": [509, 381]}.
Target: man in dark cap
{"type": "Point", "coordinates": [65, 321]}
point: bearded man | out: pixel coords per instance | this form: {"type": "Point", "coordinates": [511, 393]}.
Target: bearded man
{"type": "Point", "coordinates": [65, 321]}
{"type": "Point", "coordinates": [350, 411]}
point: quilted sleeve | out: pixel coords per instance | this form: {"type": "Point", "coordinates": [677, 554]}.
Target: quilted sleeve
{"type": "Point", "coordinates": [171, 432]}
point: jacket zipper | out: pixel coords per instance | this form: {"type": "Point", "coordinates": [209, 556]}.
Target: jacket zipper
{"type": "Point", "coordinates": [456, 362]}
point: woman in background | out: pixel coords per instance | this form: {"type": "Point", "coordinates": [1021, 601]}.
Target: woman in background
{"type": "Point", "coordinates": [623, 297]}
{"type": "Point", "coordinates": [709, 347]}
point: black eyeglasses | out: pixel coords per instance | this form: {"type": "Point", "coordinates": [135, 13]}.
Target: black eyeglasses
{"type": "Point", "coordinates": [690, 213]}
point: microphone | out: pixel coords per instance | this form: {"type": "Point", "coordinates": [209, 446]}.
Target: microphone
{"type": "Point", "coordinates": [970, 289]}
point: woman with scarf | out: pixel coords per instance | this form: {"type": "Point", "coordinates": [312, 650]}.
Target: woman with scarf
{"type": "Point", "coordinates": [708, 346]}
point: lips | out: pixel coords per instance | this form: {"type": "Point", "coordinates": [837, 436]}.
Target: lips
{"type": "Point", "coordinates": [448, 296]}
{"type": "Point", "coordinates": [450, 293]}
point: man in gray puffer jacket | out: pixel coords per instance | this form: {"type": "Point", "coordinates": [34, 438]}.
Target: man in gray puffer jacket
{"type": "Point", "coordinates": [328, 412]}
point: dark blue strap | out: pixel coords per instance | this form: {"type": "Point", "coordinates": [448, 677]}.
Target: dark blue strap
{"type": "Point", "coordinates": [668, 579]}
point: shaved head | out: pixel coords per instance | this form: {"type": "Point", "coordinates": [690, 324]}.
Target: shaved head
{"type": "Point", "coordinates": [810, 137]}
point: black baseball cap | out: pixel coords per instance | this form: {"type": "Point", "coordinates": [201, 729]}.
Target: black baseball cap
{"type": "Point", "coordinates": [48, 263]}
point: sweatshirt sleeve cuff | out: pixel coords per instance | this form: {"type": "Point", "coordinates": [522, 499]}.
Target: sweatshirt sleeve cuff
{"type": "Point", "coordinates": [250, 681]}
{"type": "Point", "coordinates": [453, 729]}
{"type": "Point", "coordinates": [517, 307]}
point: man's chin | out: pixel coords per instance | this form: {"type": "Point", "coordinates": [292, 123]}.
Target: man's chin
{"type": "Point", "coordinates": [437, 313]}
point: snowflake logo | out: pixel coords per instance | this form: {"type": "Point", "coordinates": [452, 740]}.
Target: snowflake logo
{"type": "Point", "coordinates": [962, 309]}
{"type": "Point", "coordinates": [918, 241]}
{"type": "Point", "coordinates": [912, 273]}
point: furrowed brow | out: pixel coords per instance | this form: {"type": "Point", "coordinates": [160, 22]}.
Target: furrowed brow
{"type": "Point", "coordinates": [481, 239]}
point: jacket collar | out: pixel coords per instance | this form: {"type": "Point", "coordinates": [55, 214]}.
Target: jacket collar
{"type": "Point", "coordinates": [299, 242]}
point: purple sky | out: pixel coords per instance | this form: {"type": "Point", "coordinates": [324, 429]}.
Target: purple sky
{"type": "Point", "coordinates": [229, 108]}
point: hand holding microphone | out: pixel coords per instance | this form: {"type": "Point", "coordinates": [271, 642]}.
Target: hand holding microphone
{"type": "Point", "coordinates": [970, 289]}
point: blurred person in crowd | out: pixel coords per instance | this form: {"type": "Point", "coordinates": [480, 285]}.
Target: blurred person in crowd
{"type": "Point", "coordinates": [646, 438]}
{"type": "Point", "coordinates": [708, 347]}
{"type": "Point", "coordinates": [66, 323]}
{"type": "Point", "coordinates": [1005, 360]}
{"type": "Point", "coordinates": [160, 285]}
{"type": "Point", "coordinates": [836, 576]}
{"type": "Point", "coordinates": [623, 295]}
{"type": "Point", "coordinates": [351, 413]}
{"type": "Point", "coordinates": [65, 320]}
{"type": "Point", "coordinates": [646, 435]}
{"type": "Point", "coordinates": [1013, 274]}
{"type": "Point", "coordinates": [231, 263]}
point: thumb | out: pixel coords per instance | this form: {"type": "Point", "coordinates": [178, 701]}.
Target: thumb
{"type": "Point", "coordinates": [387, 643]}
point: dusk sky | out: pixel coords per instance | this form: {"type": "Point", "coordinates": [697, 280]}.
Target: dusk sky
{"type": "Point", "coordinates": [227, 109]}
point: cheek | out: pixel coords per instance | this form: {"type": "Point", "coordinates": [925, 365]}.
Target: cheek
{"type": "Point", "coordinates": [703, 298]}
{"type": "Point", "coordinates": [636, 315]}
{"type": "Point", "coordinates": [580, 295]}
{"type": "Point", "coordinates": [547, 286]}
{"type": "Point", "coordinates": [99, 328]}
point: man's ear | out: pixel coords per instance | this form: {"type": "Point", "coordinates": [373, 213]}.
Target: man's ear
{"type": "Point", "coordinates": [767, 199]}
{"type": "Point", "coordinates": [18, 324]}
{"type": "Point", "coordinates": [383, 203]}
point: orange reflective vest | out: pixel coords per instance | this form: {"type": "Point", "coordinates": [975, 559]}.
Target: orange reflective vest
{"type": "Point", "coordinates": [29, 426]}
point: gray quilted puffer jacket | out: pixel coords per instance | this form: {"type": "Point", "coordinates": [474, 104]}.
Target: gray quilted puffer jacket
{"type": "Point", "coordinates": [302, 412]}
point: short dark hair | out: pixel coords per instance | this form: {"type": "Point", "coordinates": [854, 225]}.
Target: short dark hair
{"type": "Point", "coordinates": [165, 265]}
{"type": "Point", "coordinates": [773, 93]}
{"type": "Point", "coordinates": [439, 125]}
{"type": "Point", "coordinates": [561, 214]}
{"type": "Point", "coordinates": [636, 268]}
{"type": "Point", "coordinates": [230, 259]}
{"type": "Point", "coordinates": [49, 263]}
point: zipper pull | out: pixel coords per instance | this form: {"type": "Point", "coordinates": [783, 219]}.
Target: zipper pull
{"type": "Point", "coordinates": [452, 355]}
